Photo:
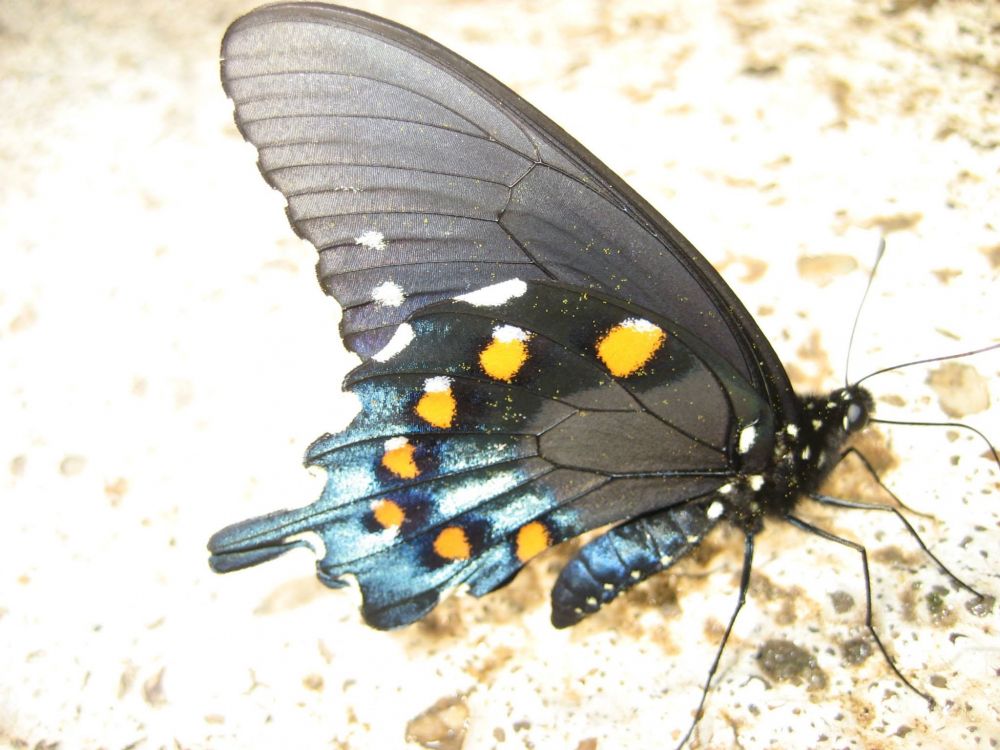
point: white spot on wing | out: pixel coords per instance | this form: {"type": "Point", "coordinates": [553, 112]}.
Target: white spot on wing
{"type": "Point", "coordinates": [748, 436]}
{"type": "Point", "coordinates": [311, 538]}
{"type": "Point", "coordinates": [756, 481]}
{"type": "Point", "coordinates": [640, 324]}
{"type": "Point", "coordinates": [388, 536]}
{"type": "Point", "coordinates": [393, 443]}
{"type": "Point", "coordinates": [505, 334]}
{"type": "Point", "coordinates": [437, 384]}
{"type": "Point", "coordinates": [388, 294]}
{"type": "Point", "coordinates": [715, 510]}
{"type": "Point", "coordinates": [495, 294]}
{"type": "Point", "coordinates": [399, 341]}
{"type": "Point", "coordinates": [372, 239]}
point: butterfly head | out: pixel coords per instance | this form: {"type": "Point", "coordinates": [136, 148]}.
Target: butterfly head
{"type": "Point", "coordinates": [825, 424]}
{"type": "Point", "coordinates": [840, 413]}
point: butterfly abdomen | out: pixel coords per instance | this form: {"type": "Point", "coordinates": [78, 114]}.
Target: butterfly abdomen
{"type": "Point", "coordinates": [626, 556]}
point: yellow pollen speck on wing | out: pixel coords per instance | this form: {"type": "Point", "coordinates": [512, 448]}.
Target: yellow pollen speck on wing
{"type": "Point", "coordinates": [388, 514]}
{"type": "Point", "coordinates": [505, 355]}
{"type": "Point", "coordinates": [453, 544]}
{"type": "Point", "coordinates": [630, 345]}
{"type": "Point", "coordinates": [532, 539]}
{"type": "Point", "coordinates": [437, 408]}
{"type": "Point", "coordinates": [399, 460]}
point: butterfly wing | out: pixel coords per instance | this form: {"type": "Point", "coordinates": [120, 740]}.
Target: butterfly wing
{"type": "Point", "coordinates": [542, 352]}
{"type": "Point", "coordinates": [418, 177]}
{"type": "Point", "coordinates": [507, 422]}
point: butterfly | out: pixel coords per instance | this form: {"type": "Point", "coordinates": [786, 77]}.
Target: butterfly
{"type": "Point", "coordinates": [542, 353]}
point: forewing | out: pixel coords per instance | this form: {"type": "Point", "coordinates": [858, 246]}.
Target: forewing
{"type": "Point", "coordinates": [418, 177]}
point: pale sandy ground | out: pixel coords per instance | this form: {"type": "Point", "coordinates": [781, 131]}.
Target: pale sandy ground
{"type": "Point", "coordinates": [166, 358]}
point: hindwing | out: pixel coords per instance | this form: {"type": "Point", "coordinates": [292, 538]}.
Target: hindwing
{"type": "Point", "coordinates": [504, 422]}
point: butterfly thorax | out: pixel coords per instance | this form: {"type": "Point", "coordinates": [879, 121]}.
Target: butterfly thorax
{"type": "Point", "coordinates": [805, 451]}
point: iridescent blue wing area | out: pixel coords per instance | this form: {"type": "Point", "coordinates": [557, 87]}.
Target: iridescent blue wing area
{"type": "Point", "coordinates": [498, 424]}
{"type": "Point", "coordinates": [419, 177]}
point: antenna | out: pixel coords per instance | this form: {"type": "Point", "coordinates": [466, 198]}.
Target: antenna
{"type": "Point", "coordinates": [954, 425]}
{"type": "Point", "coordinates": [928, 360]}
{"type": "Point", "coordinates": [857, 315]}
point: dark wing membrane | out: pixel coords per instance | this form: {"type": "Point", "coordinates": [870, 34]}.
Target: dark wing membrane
{"type": "Point", "coordinates": [417, 176]}
{"type": "Point", "coordinates": [683, 384]}
{"type": "Point", "coordinates": [499, 425]}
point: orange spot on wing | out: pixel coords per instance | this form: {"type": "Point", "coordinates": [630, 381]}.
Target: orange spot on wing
{"type": "Point", "coordinates": [532, 539]}
{"type": "Point", "coordinates": [388, 514]}
{"type": "Point", "coordinates": [437, 408]}
{"type": "Point", "coordinates": [400, 461]}
{"type": "Point", "coordinates": [502, 360]}
{"type": "Point", "coordinates": [629, 345]}
{"type": "Point", "coordinates": [453, 544]}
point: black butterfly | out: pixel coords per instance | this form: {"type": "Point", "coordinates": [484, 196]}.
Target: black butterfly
{"type": "Point", "coordinates": [542, 352]}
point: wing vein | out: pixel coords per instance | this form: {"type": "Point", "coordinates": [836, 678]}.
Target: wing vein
{"type": "Point", "coordinates": [379, 118]}
{"type": "Point", "coordinates": [354, 76]}
{"type": "Point", "coordinates": [631, 394]}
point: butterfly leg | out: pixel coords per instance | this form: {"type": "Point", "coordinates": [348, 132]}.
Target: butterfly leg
{"type": "Point", "coordinates": [852, 451]}
{"type": "Point", "coordinates": [740, 601]}
{"type": "Point", "coordinates": [861, 550]}
{"type": "Point", "coordinates": [837, 502]}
